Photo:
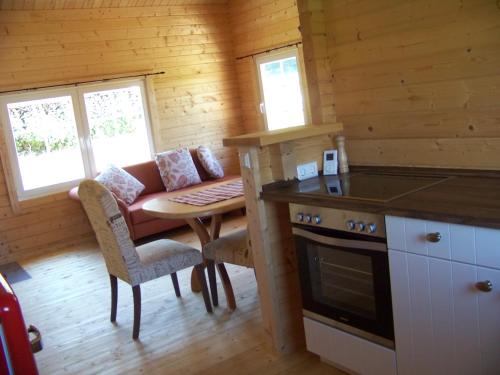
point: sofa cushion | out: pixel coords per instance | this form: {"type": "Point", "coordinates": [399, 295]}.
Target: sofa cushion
{"type": "Point", "coordinates": [137, 215]}
{"type": "Point", "coordinates": [177, 169]}
{"type": "Point", "coordinates": [199, 167]}
{"type": "Point", "coordinates": [209, 162]}
{"type": "Point", "coordinates": [121, 183]}
{"type": "Point", "coordinates": [155, 226]}
{"type": "Point", "coordinates": [149, 175]}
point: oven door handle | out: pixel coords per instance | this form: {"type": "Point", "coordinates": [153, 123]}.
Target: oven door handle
{"type": "Point", "coordinates": [341, 242]}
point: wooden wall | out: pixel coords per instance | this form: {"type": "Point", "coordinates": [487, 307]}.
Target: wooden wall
{"type": "Point", "coordinates": [317, 63]}
{"type": "Point", "coordinates": [257, 26]}
{"type": "Point", "coordinates": [45, 42]}
{"type": "Point", "coordinates": [417, 83]}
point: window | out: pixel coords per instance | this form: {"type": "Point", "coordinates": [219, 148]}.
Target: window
{"type": "Point", "coordinates": [281, 89]}
{"type": "Point", "coordinates": [57, 137]}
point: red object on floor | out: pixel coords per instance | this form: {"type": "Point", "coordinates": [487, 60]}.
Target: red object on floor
{"type": "Point", "coordinates": [15, 347]}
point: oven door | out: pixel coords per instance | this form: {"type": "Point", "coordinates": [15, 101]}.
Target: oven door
{"type": "Point", "coordinates": [345, 281]}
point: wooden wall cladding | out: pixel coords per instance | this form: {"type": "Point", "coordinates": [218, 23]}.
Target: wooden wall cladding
{"type": "Point", "coordinates": [316, 60]}
{"type": "Point", "coordinates": [257, 26]}
{"type": "Point", "coordinates": [417, 83]}
{"type": "Point", "coordinates": [50, 42]}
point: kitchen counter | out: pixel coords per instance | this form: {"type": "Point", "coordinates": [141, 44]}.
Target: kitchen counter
{"type": "Point", "coordinates": [461, 197]}
{"type": "Point", "coordinates": [268, 162]}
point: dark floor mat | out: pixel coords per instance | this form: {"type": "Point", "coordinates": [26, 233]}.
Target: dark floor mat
{"type": "Point", "coordinates": [14, 273]}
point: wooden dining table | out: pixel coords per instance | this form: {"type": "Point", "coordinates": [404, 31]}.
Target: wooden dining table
{"type": "Point", "coordinates": [163, 207]}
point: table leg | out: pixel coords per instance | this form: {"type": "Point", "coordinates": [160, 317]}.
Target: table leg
{"type": "Point", "coordinates": [197, 225]}
{"type": "Point", "coordinates": [215, 225]}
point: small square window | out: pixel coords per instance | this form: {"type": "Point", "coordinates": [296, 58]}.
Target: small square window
{"type": "Point", "coordinates": [281, 90]}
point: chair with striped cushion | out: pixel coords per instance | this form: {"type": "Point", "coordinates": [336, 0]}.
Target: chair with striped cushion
{"type": "Point", "coordinates": [126, 262]}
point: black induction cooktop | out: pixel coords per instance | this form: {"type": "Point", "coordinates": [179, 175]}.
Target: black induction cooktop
{"type": "Point", "coordinates": [367, 186]}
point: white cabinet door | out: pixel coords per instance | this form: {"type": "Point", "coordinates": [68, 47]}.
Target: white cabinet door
{"type": "Point", "coordinates": [443, 324]}
{"type": "Point", "coordinates": [489, 321]}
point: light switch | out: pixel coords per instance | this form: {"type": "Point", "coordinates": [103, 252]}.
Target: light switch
{"type": "Point", "coordinates": [246, 160]}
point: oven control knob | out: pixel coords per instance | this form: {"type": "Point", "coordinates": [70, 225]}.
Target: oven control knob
{"type": "Point", "coordinates": [360, 226]}
{"type": "Point", "coordinates": [351, 224]}
{"type": "Point", "coordinates": [300, 216]}
{"type": "Point", "coordinates": [308, 218]}
{"type": "Point", "coordinates": [371, 228]}
{"type": "Point", "coordinates": [317, 219]}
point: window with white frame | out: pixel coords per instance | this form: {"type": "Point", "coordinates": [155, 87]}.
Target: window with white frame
{"type": "Point", "coordinates": [282, 102]}
{"type": "Point", "coordinates": [57, 137]}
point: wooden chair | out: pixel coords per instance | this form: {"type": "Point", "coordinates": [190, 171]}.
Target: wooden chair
{"type": "Point", "coordinates": [128, 263]}
{"type": "Point", "coordinates": [233, 248]}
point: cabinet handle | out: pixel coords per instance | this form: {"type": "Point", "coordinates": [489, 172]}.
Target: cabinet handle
{"type": "Point", "coordinates": [484, 286]}
{"type": "Point", "coordinates": [433, 237]}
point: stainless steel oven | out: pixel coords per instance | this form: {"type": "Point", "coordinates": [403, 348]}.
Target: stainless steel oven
{"type": "Point", "coordinates": [344, 270]}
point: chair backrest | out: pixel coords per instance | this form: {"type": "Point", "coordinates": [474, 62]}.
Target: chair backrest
{"type": "Point", "coordinates": [110, 228]}
{"type": "Point", "coordinates": [233, 248]}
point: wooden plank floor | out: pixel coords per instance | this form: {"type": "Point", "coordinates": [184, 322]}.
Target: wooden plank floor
{"type": "Point", "coordinates": [68, 299]}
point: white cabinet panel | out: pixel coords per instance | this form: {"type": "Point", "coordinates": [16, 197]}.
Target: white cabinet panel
{"type": "Point", "coordinates": [411, 235]}
{"type": "Point", "coordinates": [316, 341]}
{"type": "Point", "coordinates": [463, 247]}
{"type": "Point", "coordinates": [489, 321]}
{"type": "Point", "coordinates": [488, 247]}
{"type": "Point", "coordinates": [349, 351]}
{"type": "Point", "coordinates": [443, 324]}
{"type": "Point", "coordinates": [423, 348]}
{"type": "Point", "coordinates": [402, 312]}
{"type": "Point", "coordinates": [441, 310]}
{"type": "Point", "coordinates": [466, 327]}
{"type": "Point", "coordinates": [439, 249]}
{"type": "Point", "coordinates": [415, 236]}
{"type": "Point", "coordinates": [395, 230]}
{"type": "Point", "coordinates": [461, 243]}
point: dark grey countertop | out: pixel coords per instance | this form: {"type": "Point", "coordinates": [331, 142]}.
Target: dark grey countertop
{"type": "Point", "coordinates": [459, 196]}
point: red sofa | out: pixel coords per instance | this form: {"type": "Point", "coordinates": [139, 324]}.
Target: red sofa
{"type": "Point", "coordinates": [139, 223]}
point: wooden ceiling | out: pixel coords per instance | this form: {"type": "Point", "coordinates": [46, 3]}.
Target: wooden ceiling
{"type": "Point", "coordinates": [92, 4]}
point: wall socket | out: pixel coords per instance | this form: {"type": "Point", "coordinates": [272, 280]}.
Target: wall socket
{"type": "Point", "coordinates": [307, 170]}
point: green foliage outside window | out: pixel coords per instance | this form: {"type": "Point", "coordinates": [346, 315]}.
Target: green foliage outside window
{"type": "Point", "coordinates": [47, 125]}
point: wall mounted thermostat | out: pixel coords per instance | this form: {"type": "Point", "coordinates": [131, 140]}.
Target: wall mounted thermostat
{"type": "Point", "coordinates": [330, 162]}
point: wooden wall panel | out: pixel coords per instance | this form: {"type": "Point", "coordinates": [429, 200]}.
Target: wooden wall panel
{"type": "Point", "coordinates": [257, 26]}
{"type": "Point", "coordinates": [417, 83]}
{"type": "Point", "coordinates": [46, 42]}
{"type": "Point", "coordinates": [317, 64]}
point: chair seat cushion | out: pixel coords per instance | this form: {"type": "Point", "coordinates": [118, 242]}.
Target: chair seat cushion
{"type": "Point", "coordinates": [163, 257]}
{"type": "Point", "coordinates": [232, 248]}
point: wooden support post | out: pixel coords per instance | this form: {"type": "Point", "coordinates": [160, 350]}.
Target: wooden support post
{"type": "Point", "coordinates": [272, 268]}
